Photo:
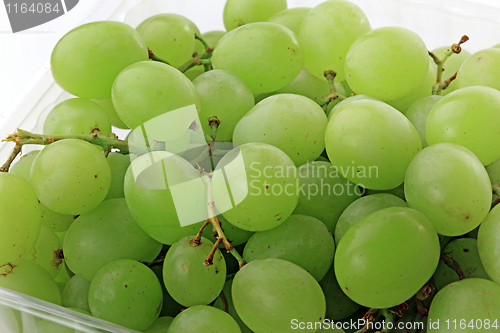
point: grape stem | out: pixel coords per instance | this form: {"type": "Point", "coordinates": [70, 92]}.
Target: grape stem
{"type": "Point", "coordinates": [369, 317]}
{"type": "Point", "coordinates": [152, 56]}
{"type": "Point", "coordinates": [205, 44]}
{"type": "Point", "coordinates": [330, 77]}
{"type": "Point", "coordinates": [453, 264]}
{"type": "Point", "coordinates": [197, 60]}
{"type": "Point", "coordinates": [16, 151]}
{"type": "Point", "coordinates": [455, 48]}
{"type": "Point", "coordinates": [225, 305]}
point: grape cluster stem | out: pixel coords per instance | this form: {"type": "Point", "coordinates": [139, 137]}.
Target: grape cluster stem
{"type": "Point", "coordinates": [369, 317]}
{"type": "Point", "coordinates": [197, 60]}
{"type": "Point", "coordinates": [225, 305]}
{"type": "Point", "coordinates": [330, 77]}
{"type": "Point", "coordinates": [453, 264]}
{"type": "Point", "coordinates": [152, 56]}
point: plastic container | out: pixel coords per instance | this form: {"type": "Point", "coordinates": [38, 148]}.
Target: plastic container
{"type": "Point", "coordinates": [438, 22]}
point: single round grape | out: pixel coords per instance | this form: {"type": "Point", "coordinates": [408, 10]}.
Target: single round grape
{"type": "Point", "coordinates": [363, 207]}
{"type": "Point", "coordinates": [76, 293]}
{"type": "Point", "coordinates": [240, 12]}
{"type": "Point", "coordinates": [19, 218]}
{"type": "Point", "coordinates": [170, 37]}
{"type": "Point", "coordinates": [328, 32]}
{"type": "Point", "coordinates": [269, 293]}
{"type": "Point", "coordinates": [255, 186]}
{"type": "Point", "coordinates": [488, 243]}
{"type": "Point", "coordinates": [274, 62]}
{"type": "Point", "coordinates": [453, 63]}
{"type": "Point", "coordinates": [301, 128]}
{"type": "Point", "coordinates": [230, 306]}
{"type": "Point", "coordinates": [418, 112]}
{"type": "Point", "coordinates": [101, 50]}
{"type": "Point", "coordinates": [475, 301]}
{"type": "Point", "coordinates": [390, 71]}
{"type": "Point", "coordinates": [365, 257]}
{"type": "Point", "coordinates": [106, 234]}
{"type": "Point", "coordinates": [467, 117]}
{"type": "Point", "coordinates": [70, 177]}
{"type": "Point", "coordinates": [377, 160]}
{"type": "Point", "coordinates": [212, 37]}
{"type": "Point", "coordinates": [226, 96]}
{"type": "Point", "coordinates": [494, 172]}
{"type": "Point", "coordinates": [118, 165]}
{"type": "Point", "coordinates": [291, 18]}
{"type": "Point", "coordinates": [202, 318]}
{"type": "Point", "coordinates": [76, 116]}
{"type": "Point", "coordinates": [325, 193]}
{"type": "Point", "coordinates": [299, 239]}
{"type": "Point", "coordinates": [449, 185]}
{"type": "Point", "coordinates": [186, 277]}
{"type": "Point", "coordinates": [127, 293]}
{"type": "Point", "coordinates": [148, 89]}
{"type": "Point", "coordinates": [27, 277]}
{"type": "Point", "coordinates": [160, 325]}
{"type": "Point", "coordinates": [107, 105]}
{"type": "Point", "coordinates": [479, 69]}
{"type": "Point", "coordinates": [464, 251]}
{"type": "Point", "coordinates": [47, 251]}
{"type": "Point", "coordinates": [349, 100]}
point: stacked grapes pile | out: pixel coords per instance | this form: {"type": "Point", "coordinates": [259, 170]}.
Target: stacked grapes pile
{"type": "Point", "coordinates": [299, 172]}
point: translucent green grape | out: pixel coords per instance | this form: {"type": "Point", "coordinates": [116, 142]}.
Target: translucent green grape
{"type": "Point", "coordinates": [449, 185]}
{"type": "Point", "coordinates": [479, 69]}
{"type": "Point", "coordinates": [127, 293]}
{"type": "Point", "coordinates": [106, 234]}
{"type": "Point", "coordinates": [418, 112]}
{"type": "Point", "coordinates": [349, 100]}
{"type": "Point", "coordinates": [291, 18]}
{"type": "Point", "coordinates": [230, 305]}
{"type": "Point", "coordinates": [212, 37]}
{"type": "Point", "coordinates": [328, 32]}
{"type": "Point", "coordinates": [467, 117]}
{"type": "Point", "coordinates": [301, 126]}
{"type": "Point", "coordinates": [118, 165]}
{"type": "Point", "coordinates": [226, 96]}
{"type": "Point", "coordinates": [269, 293]}
{"type": "Point", "coordinates": [46, 251]}
{"type": "Point", "coordinates": [365, 257]}
{"type": "Point", "coordinates": [489, 245]}
{"type": "Point", "coordinates": [494, 172]}
{"type": "Point", "coordinates": [396, 65]}
{"type": "Point", "coordinates": [377, 160]}
{"type": "Point", "coordinates": [202, 318]}
{"type": "Point", "coordinates": [186, 277]}
{"type": "Point", "coordinates": [19, 218]}
{"type": "Point", "coordinates": [274, 61]}
{"type": "Point", "coordinates": [107, 105]}
{"type": "Point", "coordinates": [363, 207]}
{"type": "Point", "coordinates": [101, 50]}
{"type": "Point", "coordinates": [325, 193]}
{"type": "Point", "coordinates": [70, 177]}
{"type": "Point", "coordinates": [76, 293]}
{"type": "Point", "coordinates": [240, 12]}
{"type": "Point", "coordinates": [160, 325]}
{"type": "Point", "coordinates": [261, 190]}
{"type": "Point", "coordinates": [453, 63]}
{"type": "Point", "coordinates": [23, 166]}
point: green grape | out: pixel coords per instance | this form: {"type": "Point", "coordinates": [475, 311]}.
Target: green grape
{"type": "Point", "coordinates": [19, 218]}
{"type": "Point", "coordinates": [299, 240]}
{"type": "Point", "coordinates": [70, 177]}
{"type": "Point", "coordinates": [467, 117]}
{"type": "Point", "coordinates": [255, 186]}
{"type": "Point", "coordinates": [474, 303]}
{"type": "Point", "coordinates": [46, 251]}
{"type": "Point", "coordinates": [230, 306]}
{"type": "Point", "coordinates": [226, 96]}
{"type": "Point", "coordinates": [291, 18]}
{"type": "Point", "coordinates": [274, 61]}
{"type": "Point", "coordinates": [377, 160]}
{"type": "Point", "coordinates": [170, 37]}
{"type": "Point", "coordinates": [76, 293]}
{"type": "Point", "coordinates": [106, 234]}
{"type": "Point", "coordinates": [349, 100]}
{"type": "Point", "coordinates": [45, 326]}
{"type": "Point", "coordinates": [452, 65]}
{"type": "Point", "coordinates": [23, 166]}
{"type": "Point", "coordinates": [202, 318]}
{"type": "Point", "coordinates": [240, 12]}
{"type": "Point", "coordinates": [328, 32]}
{"type": "Point", "coordinates": [301, 128]}
{"type": "Point", "coordinates": [493, 170]}
{"type": "Point", "coordinates": [127, 293]}
{"type": "Point", "coordinates": [448, 184]}
{"type": "Point", "coordinates": [170, 307]}
{"type": "Point", "coordinates": [390, 71]}
{"type": "Point", "coordinates": [479, 69]}
{"type": "Point", "coordinates": [338, 305]}
{"type": "Point", "coordinates": [107, 105]}
{"type": "Point", "coordinates": [160, 325]}
{"type": "Point", "coordinates": [365, 257]}
{"type": "Point", "coordinates": [424, 89]}
{"type": "Point", "coordinates": [118, 165]}
{"type": "Point", "coordinates": [212, 37]}
{"type": "Point", "coordinates": [101, 50]}
{"type": "Point", "coordinates": [489, 245]}
{"type": "Point", "coordinates": [27, 277]}
{"type": "Point", "coordinates": [148, 89]}
{"type": "Point", "coordinates": [397, 191]}
{"type": "Point", "coordinates": [325, 193]}
{"type": "Point", "coordinates": [418, 112]}
{"type": "Point", "coordinates": [406, 324]}
{"type": "Point", "coordinates": [186, 277]}
{"type": "Point", "coordinates": [234, 234]}
{"type": "Point", "coordinates": [76, 116]}
{"type": "Point", "coordinates": [363, 207]}
{"type": "Point", "coordinates": [464, 251]}
{"type": "Point", "coordinates": [149, 198]}
{"type": "Point", "coordinates": [269, 293]}
{"type": "Point", "coordinates": [193, 73]}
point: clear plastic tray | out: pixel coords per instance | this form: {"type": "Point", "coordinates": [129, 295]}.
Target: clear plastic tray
{"type": "Point", "coordinates": [438, 22]}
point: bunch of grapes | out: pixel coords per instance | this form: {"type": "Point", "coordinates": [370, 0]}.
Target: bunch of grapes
{"type": "Point", "coordinates": [298, 172]}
